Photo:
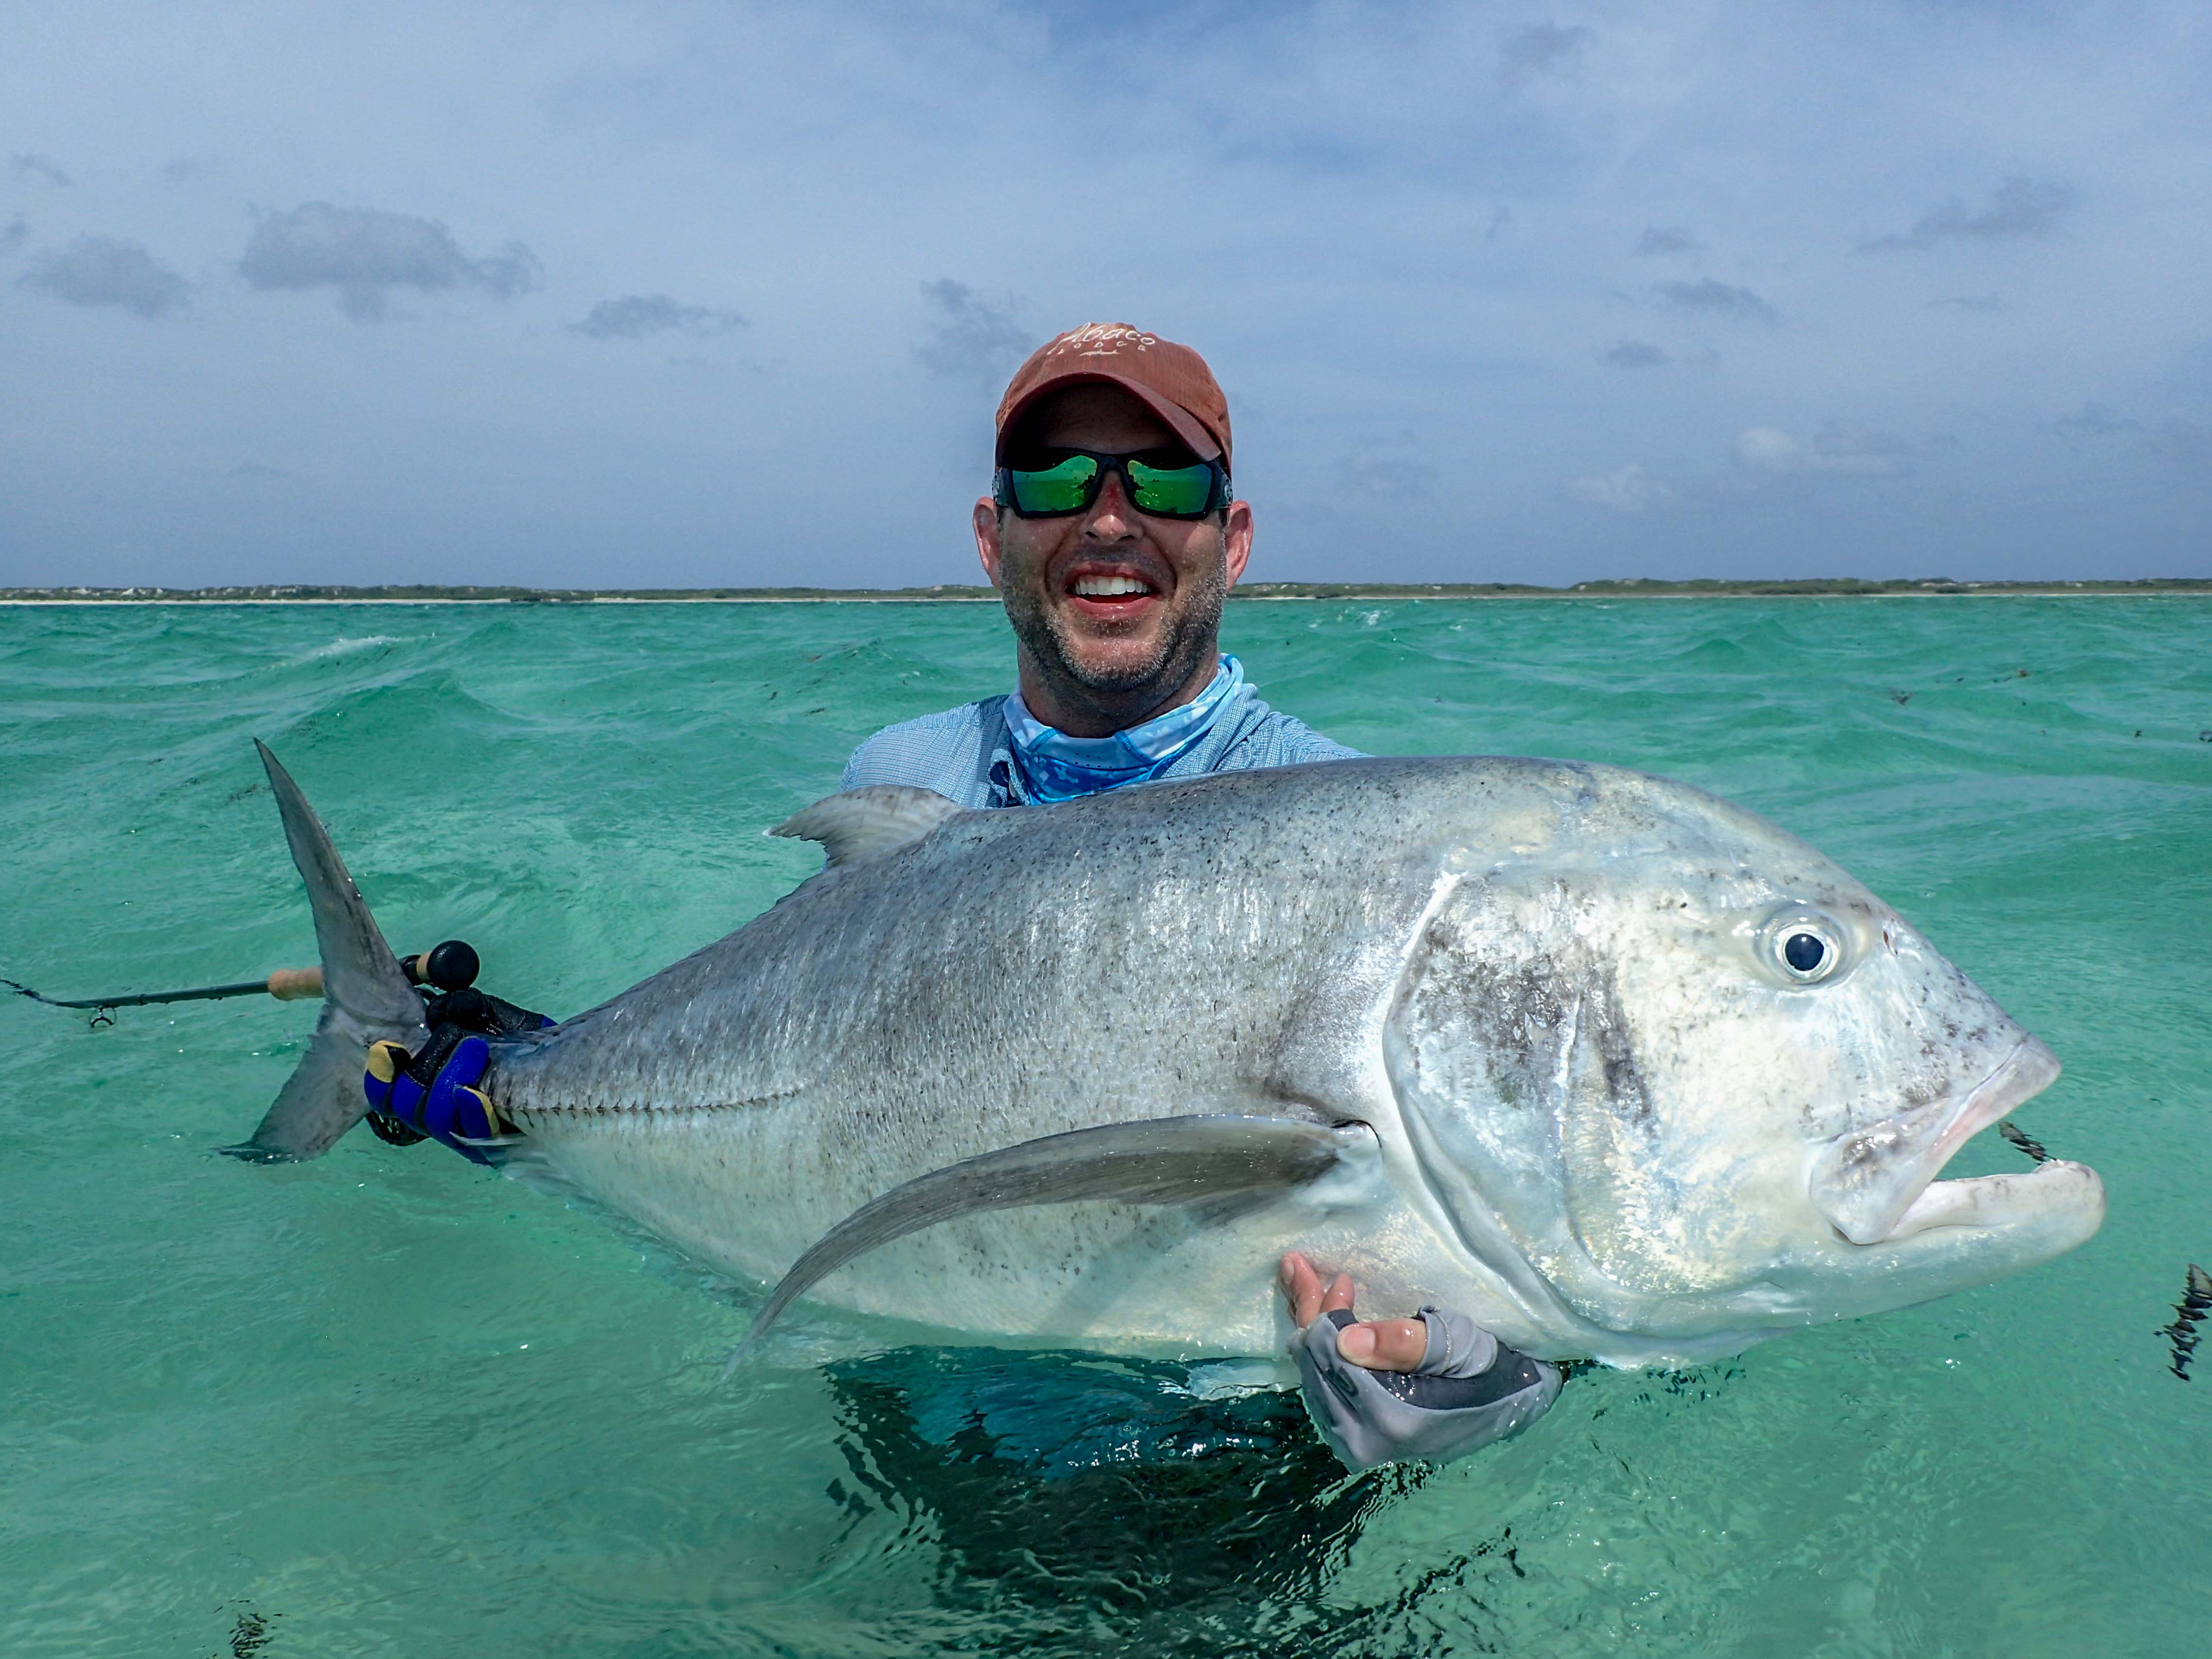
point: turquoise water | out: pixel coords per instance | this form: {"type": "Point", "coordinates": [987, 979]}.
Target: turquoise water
{"type": "Point", "coordinates": [389, 1403]}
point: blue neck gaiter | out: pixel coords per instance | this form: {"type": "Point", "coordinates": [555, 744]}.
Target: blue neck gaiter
{"type": "Point", "coordinates": [1055, 767]}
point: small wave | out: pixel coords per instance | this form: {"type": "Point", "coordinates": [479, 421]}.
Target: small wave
{"type": "Point", "coordinates": [342, 647]}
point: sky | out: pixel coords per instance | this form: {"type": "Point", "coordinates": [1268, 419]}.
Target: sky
{"type": "Point", "coordinates": [724, 294]}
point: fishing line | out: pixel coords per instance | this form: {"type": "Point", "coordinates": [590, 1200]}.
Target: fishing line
{"type": "Point", "coordinates": [198, 993]}
{"type": "Point", "coordinates": [452, 966]}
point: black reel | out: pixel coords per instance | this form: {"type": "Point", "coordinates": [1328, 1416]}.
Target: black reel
{"type": "Point", "coordinates": [453, 966]}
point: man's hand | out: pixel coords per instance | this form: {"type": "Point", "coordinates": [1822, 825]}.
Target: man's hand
{"type": "Point", "coordinates": [1380, 1345]}
{"type": "Point", "coordinates": [1434, 1388]}
{"type": "Point", "coordinates": [433, 1094]}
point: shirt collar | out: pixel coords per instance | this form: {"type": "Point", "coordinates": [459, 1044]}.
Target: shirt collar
{"type": "Point", "coordinates": [1056, 767]}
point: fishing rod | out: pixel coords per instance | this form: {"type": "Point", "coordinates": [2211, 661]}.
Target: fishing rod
{"type": "Point", "coordinates": [452, 966]}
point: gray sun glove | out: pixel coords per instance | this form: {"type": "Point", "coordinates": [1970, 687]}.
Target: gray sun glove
{"type": "Point", "coordinates": [1468, 1390]}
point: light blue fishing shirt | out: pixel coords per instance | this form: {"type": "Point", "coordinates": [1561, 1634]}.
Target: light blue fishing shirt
{"type": "Point", "coordinates": [994, 753]}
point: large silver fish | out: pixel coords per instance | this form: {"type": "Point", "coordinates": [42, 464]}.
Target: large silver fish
{"type": "Point", "coordinates": [1614, 1067]}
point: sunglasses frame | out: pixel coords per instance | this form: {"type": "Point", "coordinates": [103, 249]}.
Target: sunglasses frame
{"type": "Point", "coordinates": [1002, 486]}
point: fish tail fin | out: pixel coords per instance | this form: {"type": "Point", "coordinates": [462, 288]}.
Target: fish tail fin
{"type": "Point", "coordinates": [367, 996]}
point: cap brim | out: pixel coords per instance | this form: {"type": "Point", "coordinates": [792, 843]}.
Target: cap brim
{"type": "Point", "coordinates": [1177, 419]}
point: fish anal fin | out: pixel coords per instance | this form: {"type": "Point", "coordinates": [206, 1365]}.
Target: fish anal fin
{"type": "Point", "coordinates": [868, 823]}
{"type": "Point", "coordinates": [1219, 1164]}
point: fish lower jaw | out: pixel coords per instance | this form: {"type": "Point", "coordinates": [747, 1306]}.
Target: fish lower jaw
{"type": "Point", "coordinates": [1869, 1181]}
{"type": "Point", "coordinates": [2051, 1192]}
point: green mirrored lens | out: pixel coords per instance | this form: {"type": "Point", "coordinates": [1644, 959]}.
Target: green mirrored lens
{"type": "Point", "coordinates": [1066, 488]}
{"type": "Point", "coordinates": [1183, 491]}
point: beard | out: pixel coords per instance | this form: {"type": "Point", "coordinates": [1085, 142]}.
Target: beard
{"type": "Point", "coordinates": [1190, 632]}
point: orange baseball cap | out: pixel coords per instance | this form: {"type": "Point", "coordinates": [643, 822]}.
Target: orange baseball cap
{"type": "Point", "coordinates": [1172, 380]}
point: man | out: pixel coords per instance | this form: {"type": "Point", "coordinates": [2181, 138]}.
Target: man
{"type": "Point", "coordinates": [1113, 537]}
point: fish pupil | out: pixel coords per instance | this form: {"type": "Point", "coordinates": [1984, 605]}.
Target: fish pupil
{"type": "Point", "coordinates": [1803, 951]}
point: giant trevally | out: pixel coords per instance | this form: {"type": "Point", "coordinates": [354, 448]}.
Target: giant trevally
{"type": "Point", "coordinates": [1617, 1068]}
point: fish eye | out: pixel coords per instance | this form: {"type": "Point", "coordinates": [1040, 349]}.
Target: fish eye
{"type": "Point", "coordinates": [1808, 948]}
{"type": "Point", "coordinates": [1803, 953]}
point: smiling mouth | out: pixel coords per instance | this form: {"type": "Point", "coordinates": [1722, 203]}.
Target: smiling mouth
{"type": "Point", "coordinates": [1109, 593]}
{"type": "Point", "coordinates": [1110, 588]}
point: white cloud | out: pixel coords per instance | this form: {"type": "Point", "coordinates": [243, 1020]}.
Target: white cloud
{"type": "Point", "coordinates": [1836, 451]}
{"type": "Point", "coordinates": [1630, 490]}
{"type": "Point", "coordinates": [1770, 450]}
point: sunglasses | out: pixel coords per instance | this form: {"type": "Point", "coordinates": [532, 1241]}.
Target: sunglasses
{"type": "Point", "coordinates": [1164, 483]}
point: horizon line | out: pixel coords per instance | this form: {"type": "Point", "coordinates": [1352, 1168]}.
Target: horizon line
{"type": "Point", "coordinates": [959, 594]}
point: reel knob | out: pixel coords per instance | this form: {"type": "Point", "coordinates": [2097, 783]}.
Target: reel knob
{"type": "Point", "coordinates": [452, 966]}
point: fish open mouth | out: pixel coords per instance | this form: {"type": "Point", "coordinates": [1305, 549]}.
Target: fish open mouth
{"type": "Point", "coordinates": [1878, 1184]}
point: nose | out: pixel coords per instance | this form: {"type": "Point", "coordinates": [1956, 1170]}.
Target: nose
{"type": "Point", "coordinates": [1111, 517]}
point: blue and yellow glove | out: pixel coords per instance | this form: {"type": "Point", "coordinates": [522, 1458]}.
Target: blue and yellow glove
{"type": "Point", "coordinates": [433, 1094]}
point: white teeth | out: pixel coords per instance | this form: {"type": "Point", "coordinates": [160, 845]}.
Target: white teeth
{"type": "Point", "coordinates": [1109, 587]}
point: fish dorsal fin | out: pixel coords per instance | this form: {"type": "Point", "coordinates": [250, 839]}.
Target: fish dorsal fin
{"type": "Point", "coordinates": [867, 824]}
{"type": "Point", "coordinates": [1192, 1161]}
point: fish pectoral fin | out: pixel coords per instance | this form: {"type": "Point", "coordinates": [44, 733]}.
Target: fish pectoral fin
{"type": "Point", "coordinates": [867, 823]}
{"type": "Point", "coordinates": [1215, 1162]}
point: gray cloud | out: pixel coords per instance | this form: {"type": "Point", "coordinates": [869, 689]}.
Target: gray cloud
{"type": "Point", "coordinates": [1539, 47]}
{"type": "Point", "coordinates": [364, 254]}
{"type": "Point", "coordinates": [1634, 354]}
{"type": "Point", "coordinates": [21, 166]}
{"type": "Point", "coordinates": [1710, 295]}
{"type": "Point", "coordinates": [635, 316]}
{"type": "Point", "coordinates": [104, 270]}
{"type": "Point", "coordinates": [1836, 451]}
{"type": "Point", "coordinates": [2021, 207]}
{"type": "Point", "coordinates": [1982, 302]}
{"type": "Point", "coordinates": [1391, 467]}
{"type": "Point", "coordinates": [2095, 420]}
{"type": "Point", "coordinates": [15, 235]}
{"type": "Point", "coordinates": [1670, 239]}
{"type": "Point", "coordinates": [2182, 443]}
{"type": "Point", "coordinates": [971, 336]}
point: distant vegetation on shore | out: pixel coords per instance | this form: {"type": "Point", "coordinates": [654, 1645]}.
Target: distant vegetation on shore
{"type": "Point", "coordinates": [1628, 588]}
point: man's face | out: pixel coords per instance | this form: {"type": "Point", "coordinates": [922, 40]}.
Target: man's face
{"type": "Point", "coordinates": [1113, 602]}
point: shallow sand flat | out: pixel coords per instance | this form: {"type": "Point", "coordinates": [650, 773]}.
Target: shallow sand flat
{"type": "Point", "coordinates": [389, 1403]}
